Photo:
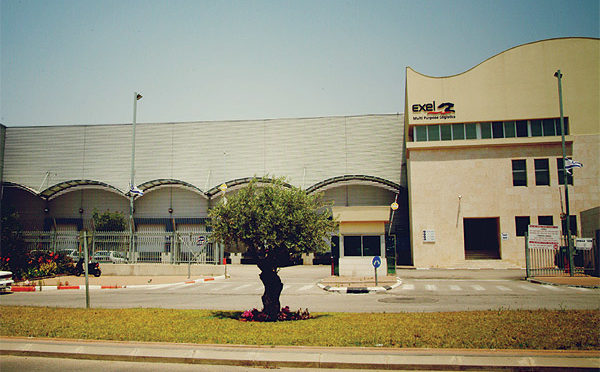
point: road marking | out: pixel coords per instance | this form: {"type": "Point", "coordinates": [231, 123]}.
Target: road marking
{"type": "Point", "coordinates": [455, 288]}
{"type": "Point", "coordinates": [502, 288]}
{"type": "Point", "coordinates": [242, 287]}
{"type": "Point", "coordinates": [408, 287]}
{"type": "Point", "coordinates": [478, 288]}
{"type": "Point", "coordinates": [431, 287]}
{"type": "Point", "coordinates": [528, 288]}
{"type": "Point", "coordinates": [551, 287]}
{"type": "Point", "coordinates": [220, 287]}
{"type": "Point", "coordinates": [580, 289]}
{"type": "Point", "coordinates": [306, 287]}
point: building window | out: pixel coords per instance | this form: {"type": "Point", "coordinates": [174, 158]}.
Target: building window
{"type": "Point", "coordinates": [545, 220]}
{"type": "Point", "coordinates": [572, 225]}
{"type": "Point", "coordinates": [560, 165]}
{"type": "Point", "coordinates": [509, 129]}
{"type": "Point", "coordinates": [458, 132]}
{"type": "Point", "coordinates": [433, 132]}
{"type": "Point", "coordinates": [519, 171]}
{"type": "Point", "coordinates": [421, 133]}
{"type": "Point", "coordinates": [548, 127]}
{"type": "Point", "coordinates": [522, 130]}
{"type": "Point", "coordinates": [497, 129]}
{"type": "Point", "coordinates": [522, 224]}
{"type": "Point", "coordinates": [446, 132]}
{"type": "Point", "coordinates": [471, 131]}
{"type": "Point", "coordinates": [486, 130]}
{"type": "Point", "coordinates": [365, 245]}
{"type": "Point", "coordinates": [542, 172]}
{"type": "Point", "coordinates": [557, 123]}
{"type": "Point", "coordinates": [536, 128]}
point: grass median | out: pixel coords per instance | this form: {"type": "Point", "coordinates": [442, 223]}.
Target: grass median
{"type": "Point", "coordinates": [504, 329]}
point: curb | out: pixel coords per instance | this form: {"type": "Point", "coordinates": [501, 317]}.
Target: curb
{"type": "Point", "coordinates": [95, 287]}
{"type": "Point", "coordinates": [359, 290]}
{"type": "Point", "coordinates": [304, 356]}
{"type": "Point", "coordinates": [537, 281]}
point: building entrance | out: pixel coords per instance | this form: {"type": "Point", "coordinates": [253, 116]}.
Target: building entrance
{"type": "Point", "coordinates": [481, 236]}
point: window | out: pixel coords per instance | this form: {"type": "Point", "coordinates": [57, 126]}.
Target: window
{"type": "Point", "coordinates": [446, 131]}
{"type": "Point", "coordinates": [509, 129]}
{"type": "Point", "coordinates": [497, 129]}
{"type": "Point", "coordinates": [366, 245]}
{"type": "Point", "coordinates": [352, 246]}
{"type": "Point", "coordinates": [560, 165]}
{"type": "Point", "coordinates": [519, 171]}
{"type": "Point", "coordinates": [522, 128]}
{"type": "Point", "coordinates": [572, 225]}
{"type": "Point", "coordinates": [536, 128]}
{"type": "Point", "coordinates": [433, 132]}
{"type": "Point", "coordinates": [522, 224]}
{"type": "Point", "coordinates": [471, 131]}
{"type": "Point", "coordinates": [486, 130]}
{"type": "Point", "coordinates": [557, 123]}
{"type": "Point", "coordinates": [548, 127]}
{"type": "Point", "coordinates": [545, 220]}
{"type": "Point", "coordinates": [542, 172]}
{"type": "Point", "coordinates": [421, 133]}
{"type": "Point", "coordinates": [458, 131]}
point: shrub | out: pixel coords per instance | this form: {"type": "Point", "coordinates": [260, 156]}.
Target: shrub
{"type": "Point", "coordinates": [256, 315]}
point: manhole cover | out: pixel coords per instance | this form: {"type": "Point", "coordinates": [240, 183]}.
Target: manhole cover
{"type": "Point", "coordinates": [411, 300]}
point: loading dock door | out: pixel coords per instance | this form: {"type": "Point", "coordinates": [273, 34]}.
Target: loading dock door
{"type": "Point", "coordinates": [481, 236]}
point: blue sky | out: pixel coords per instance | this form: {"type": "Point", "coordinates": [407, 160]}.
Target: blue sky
{"type": "Point", "coordinates": [79, 62]}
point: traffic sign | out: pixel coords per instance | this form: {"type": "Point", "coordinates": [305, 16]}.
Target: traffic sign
{"type": "Point", "coordinates": [376, 261]}
{"type": "Point", "coordinates": [541, 236]}
{"type": "Point", "coordinates": [200, 241]}
{"type": "Point", "coordinates": [394, 206]}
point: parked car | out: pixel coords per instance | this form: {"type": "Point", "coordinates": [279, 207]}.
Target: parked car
{"type": "Point", "coordinates": [109, 256]}
{"type": "Point", "coordinates": [6, 280]}
{"type": "Point", "coordinates": [72, 253]}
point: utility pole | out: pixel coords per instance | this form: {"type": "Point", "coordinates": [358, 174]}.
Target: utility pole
{"type": "Point", "coordinates": [136, 97]}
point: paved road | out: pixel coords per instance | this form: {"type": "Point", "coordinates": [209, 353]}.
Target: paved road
{"type": "Point", "coordinates": [420, 291]}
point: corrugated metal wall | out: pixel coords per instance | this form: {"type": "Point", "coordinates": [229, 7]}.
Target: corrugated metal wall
{"type": "Point", "coordinates": [206, 154]}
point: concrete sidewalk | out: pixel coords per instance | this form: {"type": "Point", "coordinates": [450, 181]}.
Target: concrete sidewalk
{"type": "Point", "coordinates": [305, 357]}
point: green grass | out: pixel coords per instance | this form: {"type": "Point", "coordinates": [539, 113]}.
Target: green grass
{"type": "Point", "coordinates": [505, 329]}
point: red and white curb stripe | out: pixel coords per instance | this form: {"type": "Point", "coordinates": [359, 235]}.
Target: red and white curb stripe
{"type": "Point", "coordinates": [95, 287]}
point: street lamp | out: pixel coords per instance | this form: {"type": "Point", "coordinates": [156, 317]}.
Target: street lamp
{"type": "Point", "coordinates": [136, 97]}
{"type": "Point", "coordinates": [559, 76]}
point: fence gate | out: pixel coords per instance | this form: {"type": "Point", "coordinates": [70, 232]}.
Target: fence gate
{"type": "Point", "coordinates": [550, 261]}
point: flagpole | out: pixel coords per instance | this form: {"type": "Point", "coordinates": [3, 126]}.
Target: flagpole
{"type": "Point", "coordinates": [558, 75]}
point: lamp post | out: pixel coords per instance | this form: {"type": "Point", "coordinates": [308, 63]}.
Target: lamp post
{"type": "Point", "coordinates": [136, 97]}
{"type": "Point", "coordinates": [559, 75]}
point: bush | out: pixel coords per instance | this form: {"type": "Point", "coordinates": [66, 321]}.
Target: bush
{"type": "Point", "coordinates": [255, 315]}
{"type": "Point", "coordinates": [109, 221]}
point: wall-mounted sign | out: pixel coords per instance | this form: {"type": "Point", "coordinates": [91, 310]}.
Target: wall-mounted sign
{"type": "Point", "coordinates": [504, 236]}
{"type": "Point", "coordinates": [429, 236]}
{"type": "Point", "coordinates": [429, 111]}
{"type": "Point", "coordinates": [584, 244]}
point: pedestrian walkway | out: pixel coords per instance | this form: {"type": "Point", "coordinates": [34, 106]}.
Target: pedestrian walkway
{"type": "Point", "coordinates": [305, 357]}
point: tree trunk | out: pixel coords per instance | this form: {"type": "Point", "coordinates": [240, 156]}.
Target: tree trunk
{"type": "Point", "coordinates": [273, 288]}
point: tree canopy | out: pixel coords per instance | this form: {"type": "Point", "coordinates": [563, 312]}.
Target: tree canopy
{"type": "Point", "coordinates": [273, 220]}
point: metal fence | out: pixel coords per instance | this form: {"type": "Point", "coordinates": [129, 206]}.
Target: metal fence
{"type": "Point", "coordinates": [555, 262]}
{"type": "Point", "coordinates": [148, 247]}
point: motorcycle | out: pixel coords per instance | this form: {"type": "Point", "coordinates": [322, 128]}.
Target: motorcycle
{"type": "Point", "coordinates": [93, 268]}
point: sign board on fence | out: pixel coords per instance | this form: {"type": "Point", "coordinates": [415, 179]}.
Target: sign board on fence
{"type": "Point", "coordinates": [543, 237]}
{"type": "Point", "coordinates": [584, 244]}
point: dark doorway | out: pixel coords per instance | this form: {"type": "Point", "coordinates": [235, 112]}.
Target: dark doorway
{"type": "Point", "coordinates": [482, 238]}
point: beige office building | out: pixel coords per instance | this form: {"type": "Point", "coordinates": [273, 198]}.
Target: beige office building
{"type": "Point", "coordinates": [484, 154]}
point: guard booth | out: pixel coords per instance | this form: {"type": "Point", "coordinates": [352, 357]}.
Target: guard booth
{"type": "Point", "coordinates": [361, 237]}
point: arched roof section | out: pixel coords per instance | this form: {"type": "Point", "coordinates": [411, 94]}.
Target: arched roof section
{"type": "Point", "coordinates": [239, 182]}
{"type": "Point", "coordinates": [60, 188]}
{"type": "Point", "coordinates": [20, 187]}
{"type": "Point", "coordinates": [149, 185]}
{"type": "Point", "coordinates": [498, 54]}
{"type": "Point", "coordinates": [355, 179]}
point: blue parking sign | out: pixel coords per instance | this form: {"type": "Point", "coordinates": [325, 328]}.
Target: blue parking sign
{"type": "Point", "coordinates": [376, 261]}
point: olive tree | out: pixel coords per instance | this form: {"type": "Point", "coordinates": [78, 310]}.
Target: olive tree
{"type": "Point", "coordinates": [275, 221]}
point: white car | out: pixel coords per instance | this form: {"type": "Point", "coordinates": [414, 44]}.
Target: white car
{"type": "Point", "coordinates": [5, 280]}
{"type": "Point", "coordinates": [109, 256]}
{"type": "Point", "coordinates": [73, 253]}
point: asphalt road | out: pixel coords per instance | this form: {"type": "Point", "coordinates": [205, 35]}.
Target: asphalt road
{"type": "Point", "coordinates": [428, 291]}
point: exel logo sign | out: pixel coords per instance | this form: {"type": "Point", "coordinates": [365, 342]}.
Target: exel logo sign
{"type": "Point", "coordinates": [445, 108]}
{"type": "Point", "coordinates": [444, 111]}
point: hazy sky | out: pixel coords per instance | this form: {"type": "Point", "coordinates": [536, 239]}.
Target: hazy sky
{"type": "Point", "coordinates": [79, 62]}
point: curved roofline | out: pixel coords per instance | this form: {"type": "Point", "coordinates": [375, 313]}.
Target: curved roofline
{"type": "Point", "coordinates": [497, 54]}
{"type": "Point", "coordinates": [21, 187]}
{"type": "Point", "coordinates": [60, 188]}
{"type": "Point", "coordinates": [149, 185]}
{"type": "Point", "coordinates": [354, 177]}
{"type": "Point", "coordinates": [241, 181]}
